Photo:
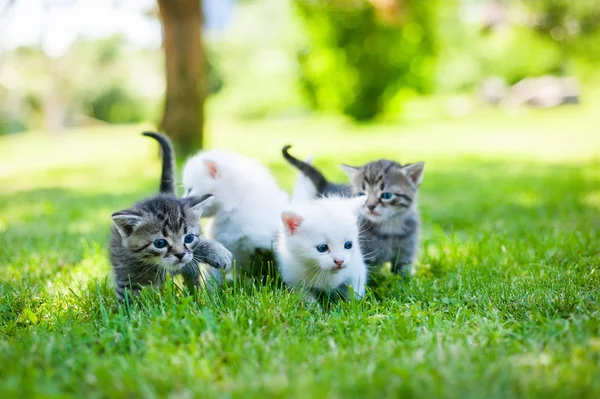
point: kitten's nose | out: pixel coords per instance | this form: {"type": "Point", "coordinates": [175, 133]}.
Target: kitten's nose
{"type": "Point", "coordinates": [338, 262]}
{"type": "Point", "coordinates": [180, 256]}
{"type": "Point", "coordinates": [371, 207]}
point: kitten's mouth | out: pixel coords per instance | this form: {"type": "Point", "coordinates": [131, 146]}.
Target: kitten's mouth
{"type": "Point", "coordinates": [372, 214]}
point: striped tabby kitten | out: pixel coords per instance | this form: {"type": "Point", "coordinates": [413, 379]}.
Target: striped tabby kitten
{"type": "Point", "coordinates": [390, 225]}
{"type": "Point", "coordinates": [161, 235]}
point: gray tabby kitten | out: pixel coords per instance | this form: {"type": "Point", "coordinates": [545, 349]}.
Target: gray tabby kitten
{"type": "Point", "coordinates": [390, 224]}
{"type": "Point", "coordinates": [161, 235]}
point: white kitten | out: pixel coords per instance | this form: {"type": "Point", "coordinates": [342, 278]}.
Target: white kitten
{"type": "Point", "coordinates": [318, 246]}
{"type": "Point", "coordinates": [247, 200]}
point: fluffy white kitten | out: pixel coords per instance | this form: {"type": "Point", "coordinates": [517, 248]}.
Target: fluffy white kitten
{"type": "Point", "coordinates": [318, 248]}
{"type": "Point", "coordinates": [247, 200]}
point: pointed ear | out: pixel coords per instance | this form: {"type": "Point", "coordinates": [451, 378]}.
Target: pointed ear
{"type": "Point", "coordinates": [291, 222]}
{"type": "Point", "coordinates": [198, 204]}
{"type": "Point", "coordinates": [212, 168]}
{"type": "Point", "coordinates": [414, 171]}
{"type": "Point", "coordinates": [351, 171]}
{"type": "Point", "coordinates": [126, 221]}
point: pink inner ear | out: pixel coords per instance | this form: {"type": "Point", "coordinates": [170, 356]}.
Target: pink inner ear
{"type": "Point", "coordinates": [212, 169]}
{"type": "Point", "coordinates": [291, 221]}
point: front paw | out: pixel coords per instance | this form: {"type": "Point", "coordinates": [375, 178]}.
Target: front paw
{"type": "Point", "coordinates": [220, 258]}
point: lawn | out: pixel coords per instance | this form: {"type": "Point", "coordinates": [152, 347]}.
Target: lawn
{"type": "Point", "coordinates": [505, 303]}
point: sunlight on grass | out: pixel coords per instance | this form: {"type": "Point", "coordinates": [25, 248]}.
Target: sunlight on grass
{"type": "Point", "coordinates": [505, 302]}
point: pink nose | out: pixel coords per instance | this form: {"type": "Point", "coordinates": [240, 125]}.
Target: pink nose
{"type": "Point", "coordinates": [338, 262]}
{"type": "Point", "coordinates": [371, 207]}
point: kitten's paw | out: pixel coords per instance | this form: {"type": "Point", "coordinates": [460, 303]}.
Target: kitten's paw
{"type": "Point", "coordinates": [221, 258]}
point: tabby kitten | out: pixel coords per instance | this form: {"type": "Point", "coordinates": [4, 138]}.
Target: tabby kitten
{"type": "Point", "coordinates": [390, 220]}
{"type": "Point", "coordinates": [161, 235]}
{"type": "Point", "coordinates": [390, 225]}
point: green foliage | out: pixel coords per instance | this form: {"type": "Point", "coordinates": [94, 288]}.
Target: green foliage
{"type": "Point", "coordinates": [105, 79]}
{"type": "Point", "coordinates": [505, 304]}
{"type": "Point", "coordinates": [358, 59]}
{"type": "Point", "coordinates": [115, 105]}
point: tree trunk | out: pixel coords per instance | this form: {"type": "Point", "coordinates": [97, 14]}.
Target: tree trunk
{"type": "Point", "coordinates": [183, 118]}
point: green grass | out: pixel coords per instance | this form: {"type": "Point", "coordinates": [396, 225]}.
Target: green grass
{"type": "Point", "coordinates": [505, 302]}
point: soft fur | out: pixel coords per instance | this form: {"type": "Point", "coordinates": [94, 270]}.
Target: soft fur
{"type": "Point", "coordinates": [390, 231]}
{"type": "Point", "coordinates": [137, 262]}
{"type": "Point", "coordinates": [136, 258]}
{"type": "Point", "coordinates": [305, 226]}
{"type": "Point", "coordinates": [247, 203]}
{"type": "Point", "coordinates": [390, 226]}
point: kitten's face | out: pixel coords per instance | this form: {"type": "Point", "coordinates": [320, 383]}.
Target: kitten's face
{"type": "Point", "coordinates": [390, 189]}
{"type": "Point", "coordinates": [324, 235]}
{"type": "Point", "coordinates": [162, 232]}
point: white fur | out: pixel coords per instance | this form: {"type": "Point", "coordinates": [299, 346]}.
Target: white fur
{"type": "Point", "coordinates": [304, 189]}
{"type": "Point", "coordinates": [332, 221]}
{"type": "Point", "coordinates": [247, 202]}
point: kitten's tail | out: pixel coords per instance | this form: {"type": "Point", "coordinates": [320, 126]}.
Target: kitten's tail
{"type": "Point", "coordinates": [310, 171]}
{"type": "Point", "coordinates": [167, 178]}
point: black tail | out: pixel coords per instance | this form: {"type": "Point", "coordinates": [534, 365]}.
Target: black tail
{"type": "Point", "coordinates": [310, 171]}
{"type": "Point", "coordinates": [167, 179]}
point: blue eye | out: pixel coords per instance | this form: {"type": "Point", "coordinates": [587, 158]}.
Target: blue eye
{"type": "Point", "coordinates": [189, 239]}
{"type": "Point", "coordinates": [160, 243]}
{"type": "Point", "coordinates": [386, 196]}
{"type": "Point", "coordinates": [361, 194]}
{"type": "Point", "coordinates": [348, 244]}
{"type": "Point", "coordinates": [322, 248]}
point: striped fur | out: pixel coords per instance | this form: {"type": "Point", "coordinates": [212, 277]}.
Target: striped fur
{"type": "Point", "coordinates": [390, 230]}
{"type": "Point", "coordinates": [390, 219]}
{"type": "Point", "coordinates": [137, 260]}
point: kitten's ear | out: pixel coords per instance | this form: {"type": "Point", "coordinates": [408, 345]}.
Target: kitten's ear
{"type": "Point", "coordinates": [351, 171]}
{"type": "Point", "coordinates": [291, 222]}
{"type": "Point", "coordinates": [126, 221]}
{"type": "Point", "coordinates": [414, 171]}
{"type": "Point", "coordinates": [211, 166]}
{"type": "Point", "coordinates": [198, 204]}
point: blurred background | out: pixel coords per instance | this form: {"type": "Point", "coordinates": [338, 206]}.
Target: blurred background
{"type": "Point", "coordinates": [80, 63]}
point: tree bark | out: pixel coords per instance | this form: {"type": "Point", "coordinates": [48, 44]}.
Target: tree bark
{"type": "Point", "coordinates": [183, 118]}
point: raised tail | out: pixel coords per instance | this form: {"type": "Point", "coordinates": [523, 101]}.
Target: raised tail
{"type": "Point", "coordinates": [309, 171]}
{"type": "Point", "coordinates": [167, 178]}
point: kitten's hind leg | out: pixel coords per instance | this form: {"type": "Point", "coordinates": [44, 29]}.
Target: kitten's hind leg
{"type": "Point", "coordinates": [402, 264]}
{"type": "Point", "coordinates": [405, 255]}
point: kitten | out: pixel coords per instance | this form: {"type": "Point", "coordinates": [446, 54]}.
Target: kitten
{"type": "Point", "coordinates": [161, 235]}
{"type": "Point", "coordinates": [317, 249]}
{"type": "Point", "coordinates": [247, 203]}
{"type": "Point", "coordinates": [390, 224]}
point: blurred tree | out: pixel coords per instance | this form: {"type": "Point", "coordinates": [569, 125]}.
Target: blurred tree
{"type": "Point", "coordinates": [572, 25]}
{"type": "Point", "coordinates": [362, 53]}
{"type": "Point", "coordinates": [183, 118]}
